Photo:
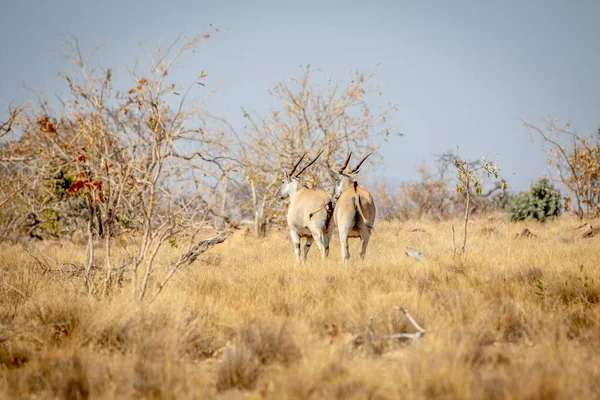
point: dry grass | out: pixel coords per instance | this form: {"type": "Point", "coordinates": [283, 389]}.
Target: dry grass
{"type": "Point", "coordinates": [517, 319]}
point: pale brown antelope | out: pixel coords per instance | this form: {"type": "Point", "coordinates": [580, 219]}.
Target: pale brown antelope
{"type": "Point", "coordinates": [355, 210]}
{"type": "Point", "coordinates": [309, 214]}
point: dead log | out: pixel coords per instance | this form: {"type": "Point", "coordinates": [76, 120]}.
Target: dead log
{"type": "Point", "coordinates": [413, 337]}
{"type": "Point", "coordinates": [577, 232]}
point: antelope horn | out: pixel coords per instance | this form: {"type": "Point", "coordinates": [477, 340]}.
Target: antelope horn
{"type": "Point", "coordinates": [360, 163]}
{"type": "Point", "coordinates": [309, 164]}
{"type": "Point", "coordinates": [298, 163]}
{"type": "Point", "coordinates": [346, 162]}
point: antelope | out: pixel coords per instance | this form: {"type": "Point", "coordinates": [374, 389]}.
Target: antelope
{"type": "Point", "coordinates": [355, 211]}
{"type": "Point", "coordinates": [309, 214]}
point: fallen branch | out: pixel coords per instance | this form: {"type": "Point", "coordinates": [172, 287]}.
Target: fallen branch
{"type": "Point", "coordinates": [200, 248]}
{"type": "Point", "coordinates": [73, 269]}
{"type": "Point", "coordinates": [412, 336]}
{"type": "Point", "coordinates": [190, 257]}
{"type": "Point", "coordinates": [371, 335]}
{"type": "Point", "coordinates": [42, 264]}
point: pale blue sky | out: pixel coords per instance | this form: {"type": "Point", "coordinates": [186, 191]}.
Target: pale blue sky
{"type": "Point", "coordinates": [461, 72]}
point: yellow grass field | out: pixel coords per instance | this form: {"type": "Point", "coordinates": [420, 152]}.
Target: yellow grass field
{"type": "Point", "coordinates": [514, 319]}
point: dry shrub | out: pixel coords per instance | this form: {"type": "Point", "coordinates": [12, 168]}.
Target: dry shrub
{"type": "Point", "coordinates": [270, 343]}
{"type": "Point", "coordinates": [367, 344]}
{"type": "Point", "coordinates": [59, 374]}
{"type": "Point", "coordinates": [576, 289]}
{"type": "Point", "coordinates": [57, 320]}
{"type": "Point", "coordinates": [13, 355]}
{"type": "Point", "coordinates": [505, 322]}
{"type": "Point", "coordinates": [512, 323]}
{"type": "Point", "coordinates": [67, 376]}
{"type": "Point", "coordinates": [111, 333]}
{"type": "Point", "coordinates": [239, 369]}
{"type": "Point", "coordinates": [151, 334]}
{"type": "Point", "coordinates": [529, 276]}
{"type": "Point", "coordinates": [132, 331]}
{"type": "Point", "coordinates": [579, 323]}
{"type": "Point", "coordinates": [161, 346]}
{"type": "Point", "coordinates": [150, 378]}
{"type": "Point", "coordinates": [281, 307]}
{"type": "Point", "coordinates": [571, 293]}
{"type": "Point", "coordinates": [112, 338]}
{"type": "Point", "coordinates": [489, 356]}
{"type": "Point", "coordinates": [198, 337]}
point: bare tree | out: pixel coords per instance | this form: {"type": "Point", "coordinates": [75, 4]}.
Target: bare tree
{"type": "Point", "coordinates": [576, 160]}
{"type": "Point", "coordinates": [9, 187]}
{"type": "Point", "coordinates": [139, 158]}
{"type": "Point", "coordinates": [336, 118]}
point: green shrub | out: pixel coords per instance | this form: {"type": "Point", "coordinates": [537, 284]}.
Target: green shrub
{"type": "Point", "coordinates": [540, 203]}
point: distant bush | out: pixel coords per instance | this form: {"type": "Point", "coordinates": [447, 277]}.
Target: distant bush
{"type": "Point", "coordinates": [541, 202]}
{"type": "Point", "coordinates": [500, 201]}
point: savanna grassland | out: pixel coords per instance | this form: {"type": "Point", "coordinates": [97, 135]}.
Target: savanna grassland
{"type": "Point", "coordinates": [515, 319]}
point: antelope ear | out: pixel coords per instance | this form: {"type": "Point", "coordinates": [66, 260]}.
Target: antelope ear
{"type": "Point", "coordinates": [285, 174]}
{"type": "Point", "coordinates": [333, 173]}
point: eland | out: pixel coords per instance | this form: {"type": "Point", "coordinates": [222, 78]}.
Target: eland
{"type": "Point", "coordinates": [309, 214]}
{"type": "Point", "coordinates": [355, 210]}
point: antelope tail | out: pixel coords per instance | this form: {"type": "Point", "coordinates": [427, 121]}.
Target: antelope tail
{"type": "Point", "coordinates": [358, 206]}
{"type": "Point", "coordinates": [328, 208]}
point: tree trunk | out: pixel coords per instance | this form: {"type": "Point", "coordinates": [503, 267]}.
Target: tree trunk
{"type": "Point", "coordinates": [148, 272]}
{"type": "Point", "coordinates": [467, 205]}
{"type": "Point", "coordinates": [100, 225]}
{"type": "Point", "coordinates": [107, 263]}
{"type": "Point", "coordinates": [223, 219]}
{"type": "Point", "coordinates": [89, 254]}
{"type": "Point", "coordinates": [260, 225]}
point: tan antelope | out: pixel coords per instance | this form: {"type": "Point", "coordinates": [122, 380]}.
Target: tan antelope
{"type": "Point", "coordinates": [309, 213]}
{"type": "Point", "coordinates": [354, 208]}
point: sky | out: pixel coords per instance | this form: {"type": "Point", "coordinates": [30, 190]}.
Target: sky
{"type": "Point", "coordinates": [462, 73]}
